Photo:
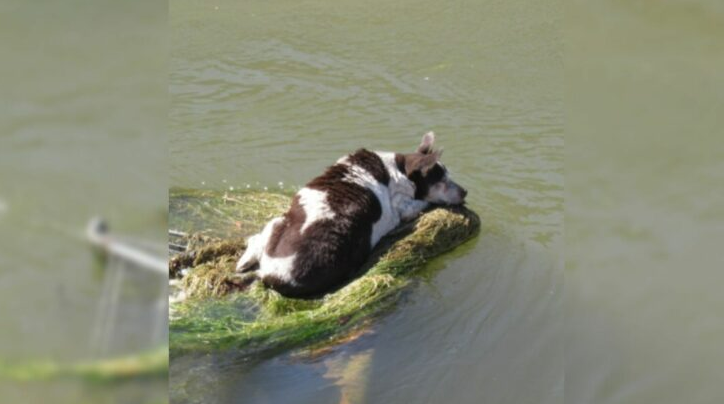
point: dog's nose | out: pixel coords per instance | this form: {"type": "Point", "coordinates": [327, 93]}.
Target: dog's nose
{"type": "Point", "coordinates": [463, 192]}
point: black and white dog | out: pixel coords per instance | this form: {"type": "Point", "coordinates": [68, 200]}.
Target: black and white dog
{"type": "Point", "coordinates": [336, 219]}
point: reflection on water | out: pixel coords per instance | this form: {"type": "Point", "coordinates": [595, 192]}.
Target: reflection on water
{"type": "Point", "coordinates": [263, 92]}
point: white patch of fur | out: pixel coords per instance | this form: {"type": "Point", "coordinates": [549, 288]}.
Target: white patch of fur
{"type": "Point", "coordinates": [410, 208]}
{"type": "Point", "coordinates": [388, 219]}
{"type": "Point", "coordinates": [279, 267]}
{"type": "Point", "coordinates": [399, 183]}
{"type": "Point", "coordinates": [402, 191]}
{"type": "Point", "coordinates": [256, 245]}
{"type": "Point", "coordinates": [315, 206]}
{"type": "Point", "coordinates": [253, 252]}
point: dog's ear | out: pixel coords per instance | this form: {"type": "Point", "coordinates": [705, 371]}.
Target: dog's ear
{"type": "Point", "coordinates": [422, 163]}
{"type": "Point", "coordinates": [428, 140]}
{"type": "Point", "coordinates": [430, 160]}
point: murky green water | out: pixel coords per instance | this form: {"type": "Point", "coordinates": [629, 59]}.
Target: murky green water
{"type": "Point", "coordinates": [82, 114]}
{"type": "Point", "coordinates": [644, 212]}
{"type": "Point", "coordinates": [267, 92]}
{"type": "Point", "coordinates": [264, 93]}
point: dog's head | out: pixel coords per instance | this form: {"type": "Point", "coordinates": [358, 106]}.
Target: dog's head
{"type": "Point", "coordinates": [431, 178]}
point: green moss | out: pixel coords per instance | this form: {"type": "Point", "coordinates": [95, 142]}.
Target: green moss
{"type": "Point", "coordinates": [223, 215]}
{"type": "Point", "coordinates": [260, 321]}
{"type": "Point", "coordinates": [149, 364]}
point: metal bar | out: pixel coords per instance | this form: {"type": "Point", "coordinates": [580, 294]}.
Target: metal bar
{"type": "Point", "coordinates": [177, 247]}
{"type": "Point", "coordinates": [97, 233]}
{"type": "Point", "coordinates": [177, 233]}
{"type": "Point", "coordinates": [112, 310]}
{"type": "Point", "coordinates": [101, 317]}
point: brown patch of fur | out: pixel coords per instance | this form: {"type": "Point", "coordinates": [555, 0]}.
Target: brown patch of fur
{"type": "Point", "coordinates": [372, 163]}
{"type": "Point", "coordinates": [286, 236]}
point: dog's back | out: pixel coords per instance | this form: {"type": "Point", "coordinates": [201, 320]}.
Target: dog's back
{"type": "Point", "coordinates": [326, 235]}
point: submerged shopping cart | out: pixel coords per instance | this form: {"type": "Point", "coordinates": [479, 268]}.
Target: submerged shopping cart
{"type": "Point", "coordinates": [126, 260]}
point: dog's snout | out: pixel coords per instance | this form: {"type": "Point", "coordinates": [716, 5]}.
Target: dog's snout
{"type": "Point", "coordinates": [463, 192]}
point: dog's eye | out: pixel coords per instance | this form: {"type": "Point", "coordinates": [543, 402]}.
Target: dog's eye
{"type": "Point", "coordinates": [435, 174]}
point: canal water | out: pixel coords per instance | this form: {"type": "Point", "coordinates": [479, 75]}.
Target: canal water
{"type": "Point", "coordinates": [82, 119]}
{"type": "Point", "coordinates": [644, 211]}
{"type": "Point", "coordinates": [267, 94]}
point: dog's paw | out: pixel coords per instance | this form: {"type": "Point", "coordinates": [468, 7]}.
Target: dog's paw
{"type": "Point", "coordinates": [241, 282]}
{"type": "Point", "coordinates": [246, 266]}
{"type": "Point", "coordinates": [412, 210]}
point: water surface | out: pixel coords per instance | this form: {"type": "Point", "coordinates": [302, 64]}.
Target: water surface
{"type": "Point", "coordinates": [267, 94]}
{"type": "Point", "coordinates": [82, 113]}
{"type": "Point", "coordinates": [644, 168]}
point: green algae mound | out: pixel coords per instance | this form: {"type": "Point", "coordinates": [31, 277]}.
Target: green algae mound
{"type": "Point", "coordinates": [216, 315]}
